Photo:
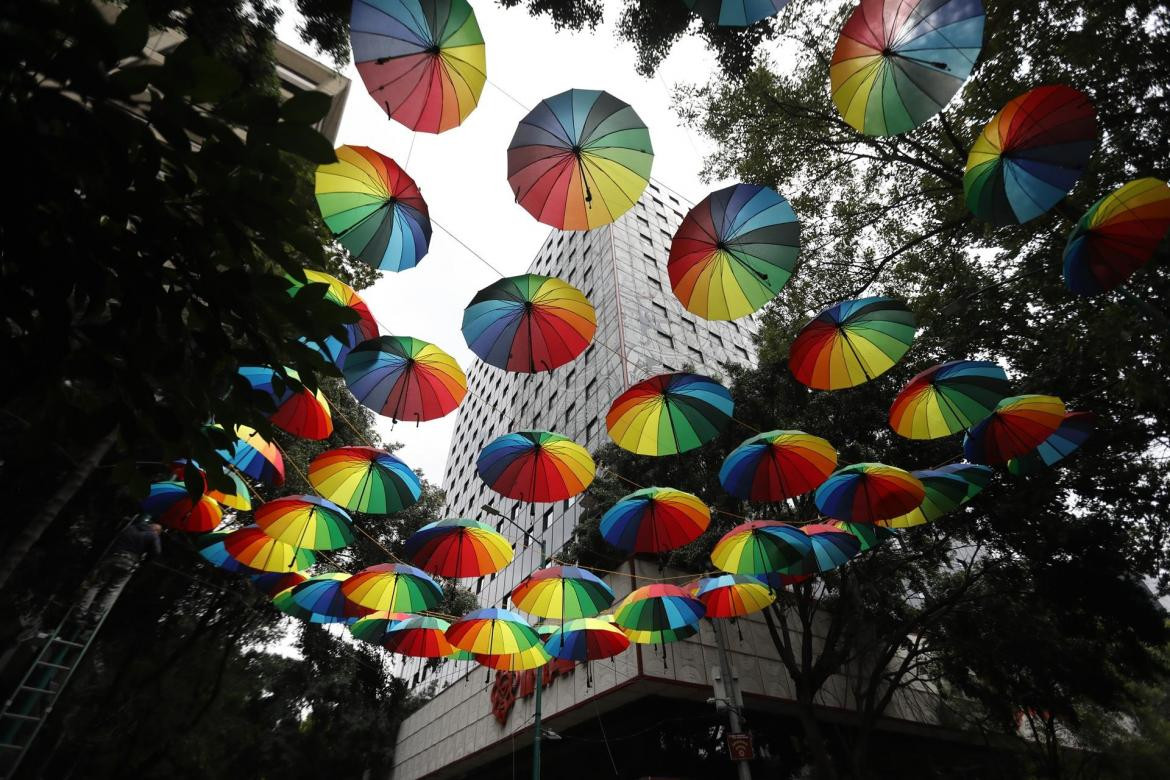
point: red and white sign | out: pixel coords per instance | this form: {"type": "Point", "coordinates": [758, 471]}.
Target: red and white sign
{"type": "Point", "coordinates": [510, 686]}
{"type": "Point", "coordinates": [739, 746]}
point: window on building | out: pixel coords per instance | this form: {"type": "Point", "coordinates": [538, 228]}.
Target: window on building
{"type": "Point", "coordinates": [669, 369]}
{"type": "Point", "coordinates": [691, 325]}
{"type": "Point", "coordinates": [589, 388]}
{"type": "Point", "coordinates": [544, 520]}
{"type": "Point", "coordinates": [569, 413]}
{"type": "Point", "coordinates": [667, 233]}
{"type": "Point", "coordinates": [716, 338]}
{"type": "Point", "coordinates": [696, 354]}
{"type": "Point", "coordinates": [665, 339]}
{"type": "Point", "coordinates": [589, 428]}
{"type": "Point", "coordinates": [552, 399]}
{"type": "Point", "coordinates": [742, 352]}
{"type": "Point", "coordinates": [654, 281]}
{"type": "Point", "coordinates": [644, 221]}
{"type": "Point", "coordinates": [659, 309]}
{"type": "Point", "coordinates": [645, 237]}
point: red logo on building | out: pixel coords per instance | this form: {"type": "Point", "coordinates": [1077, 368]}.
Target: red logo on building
{"type": "Point", "coordinates": [739, 746]}
{"type": "Point", "coordinates": [510, 686]}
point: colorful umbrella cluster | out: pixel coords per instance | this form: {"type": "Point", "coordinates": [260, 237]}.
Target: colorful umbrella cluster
{"type": "Point", "coordinates": [1017, 426]}
{"type": "Point", "coordinates": [298, 410]}
{"type": "Point", "coordinates": [733, 595]}
{"type": "Point", "coordinates": [852, 342]}
{"type": "Point", "coordinates": [562, 593]}
{"type": "Point", "coordinates": [586, 639]}
{"type": "Point", "coordinates": [458, 548]}
{"type": "Point", "coordinates": [868, 492]}
{"type": "Point", "coordinates": [535, 466]}
{"type": "Point", "coordinates": [365, 479]}
{"type": "Point", "coordinates": [393, 587]}
{"type": "Point", "coordinates": [948, 398]}
{"type": "Point", "coordinates": [777, 465]}
{"type": "Point", "coordinates": [306, 521]}
{"type": "Point", "coordinates": [170, 504]}
{"type": "Point", "coordinates": [655, 520]}
{"type": "Point", "coordinates": [257, 550]}
{"type": "Point", "coordinates": [255, 457]}
{"type": "Point", "coordinates": [945, 490]}
{"type": "Point", "coordinates": [405, 378]}
{"type": "Point", "coordinates": [1074, 430]}
{"type": "Point", "coordinates": [669, 414]}
{"type": "Point", "coordinates": [658, 613]}
{"type": "Point", "coordinates": [340, 294]}
{"type": "Point", "coordinates": [761, 547]}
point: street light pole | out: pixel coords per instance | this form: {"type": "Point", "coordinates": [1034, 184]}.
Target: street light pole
{"type": "Point", "coordinates": [731, 691]}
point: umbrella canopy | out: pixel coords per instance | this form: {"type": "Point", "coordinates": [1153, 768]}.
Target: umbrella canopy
{"type": "Point", "coordinates": [420, 636]}
{"type": "Point", "coordinates": [868, 535]}
{"type": "Point", "coordinates": [1074, 430]}
{"type": "Point", "coordinates": [365, 479]}
{"type": "Point", "coordinates": [272, 583]}
{"type": "Point", "coordinates": [1030, 155]}
{"type": "Point", "coordinates": [897, 64]}
{"type": "Point", "coordinates": [299, 411]}
{"type": "Point", "coordinates": [1117, 236]}
{"type": "Point", "coordinates": [458, 548]}
{"type": "Point", "coordinates": [735, 13]}
{"type": "Point", "coordinates": [685, 631]}
{"type": "Point", "coordinates": [529, 323]}
{"type": "Point", "coordinates": [306, 521]}
{"type": "Point", "coordinates": [393, 587]}
{"type": "Point", "coordinates": [733, 595]}
{"type": "Point", "coordinates": [946, 489]}
{"type": "Point", "coordinates": [405, 378]}
{"type": "Point", "coordinates": [947, 398]}
{"type": "Point", "coordinates": [777, 465]}
{"type": "Point", "coordinates": [422, 61]}
{"type": "Point", "coordinates": [654, 520]}
{"type": "Point", "coordinates": [170, 504]}
{"type": "Point", "coordinates": [562, 593]}
{"type": "Point", "coordinates": [852, 342]}
{"type": "Point", "coordinates": [669, 414]}
{"type": "Point", "coordinates": [1018, 425]}
{"type": "Point", "coordinates": [372, 628]}
{"type": "Point", "coordinates": [761, 547]}
{"type": "Point", "coordinates": [579, 160]}
{"type": "Point", "coordinates": [257, 550]}
{"type": "Point", "coordinates": [733, 252]}
{"type": "Point", "coordinates": [587, 639]}
{"type": "Point", "coordinates": [255, 457]}
{"type": "Point", "coordinates": [867, 492]}
{"type": "Point", "coordinates": [340, 294]}
{"type": "Point", "coordinates": [322, 594]}
{"type": "Point", "coordinates": [535, 466]}
{"type": "Point", "coordinates": [831, 547]}
{"type": "Point", "coordinates": [211, 547]}
{"type": "Point", "coordinates": [374, 209]}
{"type": "Point", "coordinates": [492, 632]}
{"type": "Point", "coordinates": [239, 497]}
{"type": "Point", "coordinates": [285, 603]}
{"type": "Point", "coordinates": [656, 611]}
{"type": "Point", "coordinates": [532, 658]}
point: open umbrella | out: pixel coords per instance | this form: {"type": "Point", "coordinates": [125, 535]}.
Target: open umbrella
{"type": "Point", "coordinates": [420, 636]}
{"type": "Point", "coordinates": [322, 594]}
{"type": "Point", "coordinates": [340, 294]}
{"type": "Point", "coordinates": [852, 342]}
{"type": "Point", "coordinates": [373, 627]}
{"type": "Point", "coordinates": [562, 593]}
{"type": "Point", "coordinates": [374, 209]}
{"type": "Point", "coordinates": [492, 632]}
{"type": "Point", "coordinates": [761, 547]}
{"type": "Point", "coordinates": [272, 583]}
{"type": "Point", "coordinates": [1018, 425]}
{"type": "Point", "coordinates": [257, 550]}
{"type": "Point", "coordinates": [535, 466]}
{"type": "Point", "coordinates": [422, 61]}
{"type": "Point", "coordinates": [172, 505]}
{"type": "Point", "coordinates": [532, 658]}
{"type": "Point", "coordinates": [528, 323]}
{"type": "Point", "coordinates": [868, 535]}
{"type": "Point", "coordinates": [586, 639]}
{"type": "Point", "coordinates": [306, 521]}
{"type": "Point", "coordinates": [1117, 236]}
{"type": "Point", "coordinates": [655, 520]}
{"type": "Point", "coordinates": [777, 465]}
{"type": "Point", "coordinates": [285, 603]}
{"type": "Point", "coordinates": [735, 13]}
{"type": "Point", "coordinates": [831, 547]}
{"type": "Point", "coordinates": [458, 548]}
{"type": "Point", "coordinates": [255, 457]}
{"type": "Point", "coordinates": [867, 492]}
{"type": "Point", "coordinates": [659, 613]}
{"type": "Point", "coordinates": [238, 497]}
{"type": "Point", "coordinates": [897, 64]}
{"type": "Point", "coordinates": [405, 378]}
{"type": "Point", "coordinates": [579, 160]}
{"type": "Point", "coordinates": [733, 252]}
{"type": "Point", "coordinates": [1030, 155]}
{"type": "Point", "coordinates": [211, 547]}
{"type": "Point", "coordinates": [945, 490]}
{"type": "Point", "coordinates": [365, 479]}
{"type": "Point", "coordinates": [669, 414]}
{"type": "Point", "coordinates": [299, 411]}
{"type": "Point", "coordinates": [947, 398]}
{"type": "Point", "coordinates": [1074, 430]}
{"type": "Point", "coordinates": [393, 587]}
{"type": "Point", "coordinates": [733, 595]}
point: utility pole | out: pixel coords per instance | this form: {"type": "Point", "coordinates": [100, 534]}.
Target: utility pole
{"type": "Point", "coordinates": [731, 692]}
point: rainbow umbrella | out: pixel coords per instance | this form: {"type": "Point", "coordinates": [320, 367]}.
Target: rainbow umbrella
{"type": "Point", "coordinates": [545, 630]}
{"type": "Point", "coordinates": [393, 587]}
{"type": "Point", "coordinates": [655, 520]}
{"type": "Point", "coordinates": [868, 535]}
{"type": "Point", "coordinates": [492, 632]}
{"type": "Point", "coordinates": [535, 466]}
{"type": "Point", "coordinates": [761, 547]}
{"type": "Point", "coordinates": [458, 548]}
{"type": "Point", "coordinates": [255, 457]}
{"type": "Point", "coordinates": [947, 398]}
{"type": "Point", "coordinates": [777, 465]}
{"type": "Point", "coordinates": [579, 160]}
{"type": "Point", "coordinates": [339, 294]}
{"type": "Point", "coordinates": [733, 252]}
{"type": "Point", "coordinates": [1074, 430]}
{"type": "Point", "coordinates": [238, 498]}
{"type": "Point", "coordinates": [1030, 155]}
{"type": "Point", "coordinates": [372, 628]}
{"type": "Point", "coordinates": [532, 658]}
{"type": "Point", "coordinates": [831, 547]}
{"type": "Point", "coordinates": [658, 613]}
{"type": "Point", "coordinates": [171, 505]}
{"type": "Point", "coordinates": [421, 636]}
{"type": "Point", "coordinates": [852, 342]}
{"type": "Point", "coordinates": [735, 13]}
{"type": "Point", "coordinates": [421, 60]}
{"type": "Point", "coordinates": [364, 479]}
{"type": "Point", "coordinates": [946, 489]}
{"type": "Point", "coordinates": [322, 594]}
{"type": "Point", "coordinates": [562, 593]}
{"type": "Point", "coordinates": [283, 601]}
{"type": "Point", "coordinates": [897, 64]}
{"type": "Point", "coordinates": [299, 411]}
{"type": "Point", "coordinates": [1117, 236]}
{"type": "Point", "coordinates": [586, 639]}
{"type": "Point", "coordinates": [374, 209]}
{"type": "Point", "coordinates": [528, 323]}
{"type": "Point", "coordinates": [272, 583]}
{"type": "Point", "coordinates": [405, 378]}
{"type": "Point", "coordinates": [867, 492]}
{"type": "Point", "coordinates": [669, 414]}
{"type": "Point", "coordinates": [211, 547]}
{"type": "Point", "coordinates": [306, 521]}
{"type": "Point", "coordinates": [1018, 425]}
{"type": "Point", "coordinates": [462, 655]}
{"type": "Point", "coordinates": [257, 550]}
{"type": "Point", "coordinates": [662, 637]}
{"type": "Point", "coordinates": [733, 595]}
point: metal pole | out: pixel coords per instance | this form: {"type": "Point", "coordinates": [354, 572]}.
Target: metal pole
{"type": "Point", "coordinates": [539, 684]}
{"type": "Point", "coordinates": [731, 690]}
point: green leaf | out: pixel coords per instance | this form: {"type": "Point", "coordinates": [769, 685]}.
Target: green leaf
{"type": "Point", "coordinates": [131, 30]}
{"type": "Point", "coordinates": [306, 108]}
{"type": "Point", "coordinates": [304, 142]}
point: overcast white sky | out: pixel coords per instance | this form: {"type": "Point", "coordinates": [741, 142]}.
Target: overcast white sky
{"type": "Point", "coordinates": [462, 174]}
